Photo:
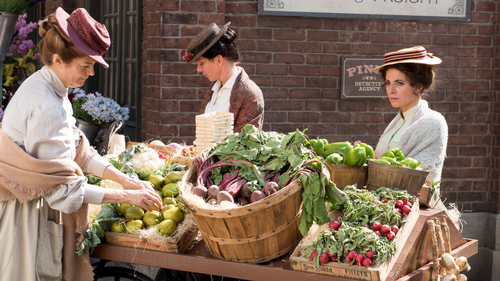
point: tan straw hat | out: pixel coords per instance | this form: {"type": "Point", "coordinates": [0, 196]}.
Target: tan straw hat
{"type": "Point", "coordinates": [416, 54]}
{"type": "Point", "coordinates": [203, 41]}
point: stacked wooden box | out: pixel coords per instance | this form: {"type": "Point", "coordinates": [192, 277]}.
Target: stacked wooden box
{"type": "Point", "coordinates": [211, 128]}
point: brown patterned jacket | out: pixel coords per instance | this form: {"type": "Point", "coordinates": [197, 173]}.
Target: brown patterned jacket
{"type": "Point", "coordinates": [246, 102]}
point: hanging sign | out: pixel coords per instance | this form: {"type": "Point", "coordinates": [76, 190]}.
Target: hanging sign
{"type": "Point", "coordinates": [443, 10]}
{"type": "Point", "coordinates": [358, 79]}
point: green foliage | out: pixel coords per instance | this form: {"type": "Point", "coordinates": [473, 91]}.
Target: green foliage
{"type": "Point", "coordinates": [100, 224]}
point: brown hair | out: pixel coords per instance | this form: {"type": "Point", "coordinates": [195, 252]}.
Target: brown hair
{"type": "Point", "coordinates": [224, 47]}
{"type": "Point", "coordinates": [54, 41]}
{"type": "Point", "coordinates": [417, 73]}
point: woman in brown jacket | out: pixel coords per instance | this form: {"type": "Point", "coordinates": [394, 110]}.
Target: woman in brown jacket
{"type": "Point", "coordinates": [215, 53]}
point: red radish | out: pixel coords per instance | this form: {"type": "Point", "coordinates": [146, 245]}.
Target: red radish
{"type": "Point", "coordinates": [313, 254]}
{"type": "Point", "coordinates": [333, 257]}
{"type": "Point", "coordinates": [409, 204]}
{"type": "Point", "coordinates": [386, 201]}
{"type": "Point", "coordinates": [359, 257]}
{"type": "Point", "coordinates": [348, 260]}
{"type": "Point", "coordinates": [406, 209]}
{"type": "Point", "coordinates": [366, 262]}
{"type": "Point", "coordinates": [365, 226]}
{"type": "Point", "coordinates": [400, 211]}
{"type": "Point", "coordinates": [376, 225]}
{"type": "Point", "coordinates": [399, 203]}
{"type": "Point", "coordinates": [351, 255]}
{"type": "Point", "coordinates": [378, 202]}
{"type": "Point", "coordinates": [324, 258]}
{"type": "Point", "coordinates": [335, 225]}
{"type": "Point", "coordinates": [395, 229]}
{"type": "Point", "coordinates": [391, 235]}
{"type": "Point", "coordinates": [378, 232]}
{"type": "Point", "coordinates": [385, 228]}
{"type": "Point", "coordinates": [405, 202]}
{"type": "Point", "coordinates": [369, 254]}
{"type": "Point", "coordinates": [357, 263]}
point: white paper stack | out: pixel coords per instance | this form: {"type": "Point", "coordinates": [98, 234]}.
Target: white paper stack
{"type": "Point", "coordinates": [211, 128]}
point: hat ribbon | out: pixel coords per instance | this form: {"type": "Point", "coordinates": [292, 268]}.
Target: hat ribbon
{"type": "Point", "coordinates": [416, 54]}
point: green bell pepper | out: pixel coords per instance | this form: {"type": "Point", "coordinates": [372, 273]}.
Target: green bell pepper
{"type": "Point", "coordinates": [335, 158]}
{"type": "Point", "coordinates": [318, 145]}
{"type": "Point", "coordinates": [392, 161]}
{"type": "Point", "coordinates": [381, 160]}
{"type": "Point", "coordinates": [335, 147]}
{"type": "Point", "coordinates": [394, 153]}
{"type": "Point", "coordinates": [369, 151]}
{"type": "Point", "coordinates": [410, 163]}
{"type": "Point", "coordinates": [354, 155]}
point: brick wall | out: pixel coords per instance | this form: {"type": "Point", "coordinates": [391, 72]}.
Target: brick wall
{"type": "Point", "coordinates": [297, 63]}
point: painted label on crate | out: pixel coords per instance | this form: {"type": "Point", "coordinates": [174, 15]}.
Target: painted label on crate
{"type": "Point", "coordinates": [337, 271]}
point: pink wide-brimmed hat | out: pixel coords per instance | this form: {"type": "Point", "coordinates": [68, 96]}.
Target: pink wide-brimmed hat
{"type": "Point", "coordinates": [88, 35]}
{"type": "Point", "coordinates": [416, 54]}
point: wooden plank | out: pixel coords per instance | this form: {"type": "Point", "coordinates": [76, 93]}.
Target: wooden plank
{"type": "Point", "coordinates": [467, 250]}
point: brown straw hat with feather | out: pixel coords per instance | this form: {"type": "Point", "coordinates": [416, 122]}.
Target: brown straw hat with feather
{"type": "Point", "coordinates": [203, 41]}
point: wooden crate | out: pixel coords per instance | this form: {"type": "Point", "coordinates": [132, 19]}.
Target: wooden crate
{"type": "Point", "coordinates": [413, 252]}
{"type": "Point", "coordinates": [186, 161]}
{"type": "Point", "coordinates": [385, 175]}
{"type": "Point", "coordinates": [212, 128]}
{"type": "Point", "coordinates": [343, 175]}
{"type": "Point", "coordinates": [179, 245]}
{"type": "Point", "coordinates": [375, 273]}
{"type": "Point", "coordinates": [254, 233]}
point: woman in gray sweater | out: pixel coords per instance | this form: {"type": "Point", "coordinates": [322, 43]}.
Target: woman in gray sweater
{"type": "Point", "coordinates": [420, 132]}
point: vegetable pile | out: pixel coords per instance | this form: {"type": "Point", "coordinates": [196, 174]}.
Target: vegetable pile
{"type": "Point", "coordinates": [253, 164]}
{"type": "Point", "coordinates": [140, 162]}
{"type": "Point", "coordinates": [343, 153]}
{"type": "Point", "coordinates": [365, 229]}
{"type": "Point", "coordinates": [394, 156]}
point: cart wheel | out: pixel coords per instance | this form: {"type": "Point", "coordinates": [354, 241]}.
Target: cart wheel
{"type": "Point", "coordinates": [119, 274]}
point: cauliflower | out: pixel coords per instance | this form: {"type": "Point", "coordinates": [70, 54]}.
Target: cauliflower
{"type": "Point", "coordinates": [148, 161]}
{"type": "Point", "coordinates": [110, 184]}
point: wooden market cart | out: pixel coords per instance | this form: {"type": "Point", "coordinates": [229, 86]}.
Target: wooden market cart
{"type": "Point", "coordinates": [412, 264]}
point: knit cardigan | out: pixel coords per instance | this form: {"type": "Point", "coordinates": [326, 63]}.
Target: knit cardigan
{"type": "Point", "coordinates": [425, 139]}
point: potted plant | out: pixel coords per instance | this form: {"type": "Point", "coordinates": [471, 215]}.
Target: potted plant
{"type": "Point", "coordinates": [94, 112]}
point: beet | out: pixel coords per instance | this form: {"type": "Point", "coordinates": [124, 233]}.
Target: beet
{"type": "Point", "coordinates": [200, 190]}
{"type": "Point", "coordinates": [242, 201]}
{"type": "Point", "coordinates": [245, 192]}
{"type": "Point", "coordinates": [257, 195]}
{"type": "Point", "coordinates": [271, 188]}
{"type": "Point", "coordinates": [313, 254]}
{"type": "Point", "coordinates": [225, 176]}
{"type": "Point", "coordinates": [212, 191]}
{"type": "Point", "coordinates": [224, 196]}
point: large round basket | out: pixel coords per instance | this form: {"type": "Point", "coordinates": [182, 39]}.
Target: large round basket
{"type": "Point", "coordinates": [385, 175]}
{"type": "Point", "coordinates": [343, 175]}
{"type": "Point", "coordinates": [255, 233]}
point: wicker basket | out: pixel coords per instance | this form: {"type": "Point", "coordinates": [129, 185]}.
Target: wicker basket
{"type": "Point", "coordinates": [186, 161]}
{"type": "Point", "coordinates": [385, 175]}
{"type": "Point", "coordinates": [343, 175]}
{"type": "Point", "coordinates": [256, 233]}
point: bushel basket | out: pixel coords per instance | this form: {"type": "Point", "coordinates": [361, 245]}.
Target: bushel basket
{"type": "Point", "coordinates": [254, 233]}
{"type": "Point", "coordinates": [343, 175]}
{"type": "Point", "coordinates": [385, 175]}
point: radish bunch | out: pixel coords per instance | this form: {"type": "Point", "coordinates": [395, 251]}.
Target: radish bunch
{"type": "Point", "coordinates": [403, 206]}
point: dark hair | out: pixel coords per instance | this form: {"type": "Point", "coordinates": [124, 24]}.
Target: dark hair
{"type": "Point", "coordinates": [54, 41]}
{"type": "Point", "coordinates": [224, 47]}
{"type": "Point", "coordinates": [417, 73]}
